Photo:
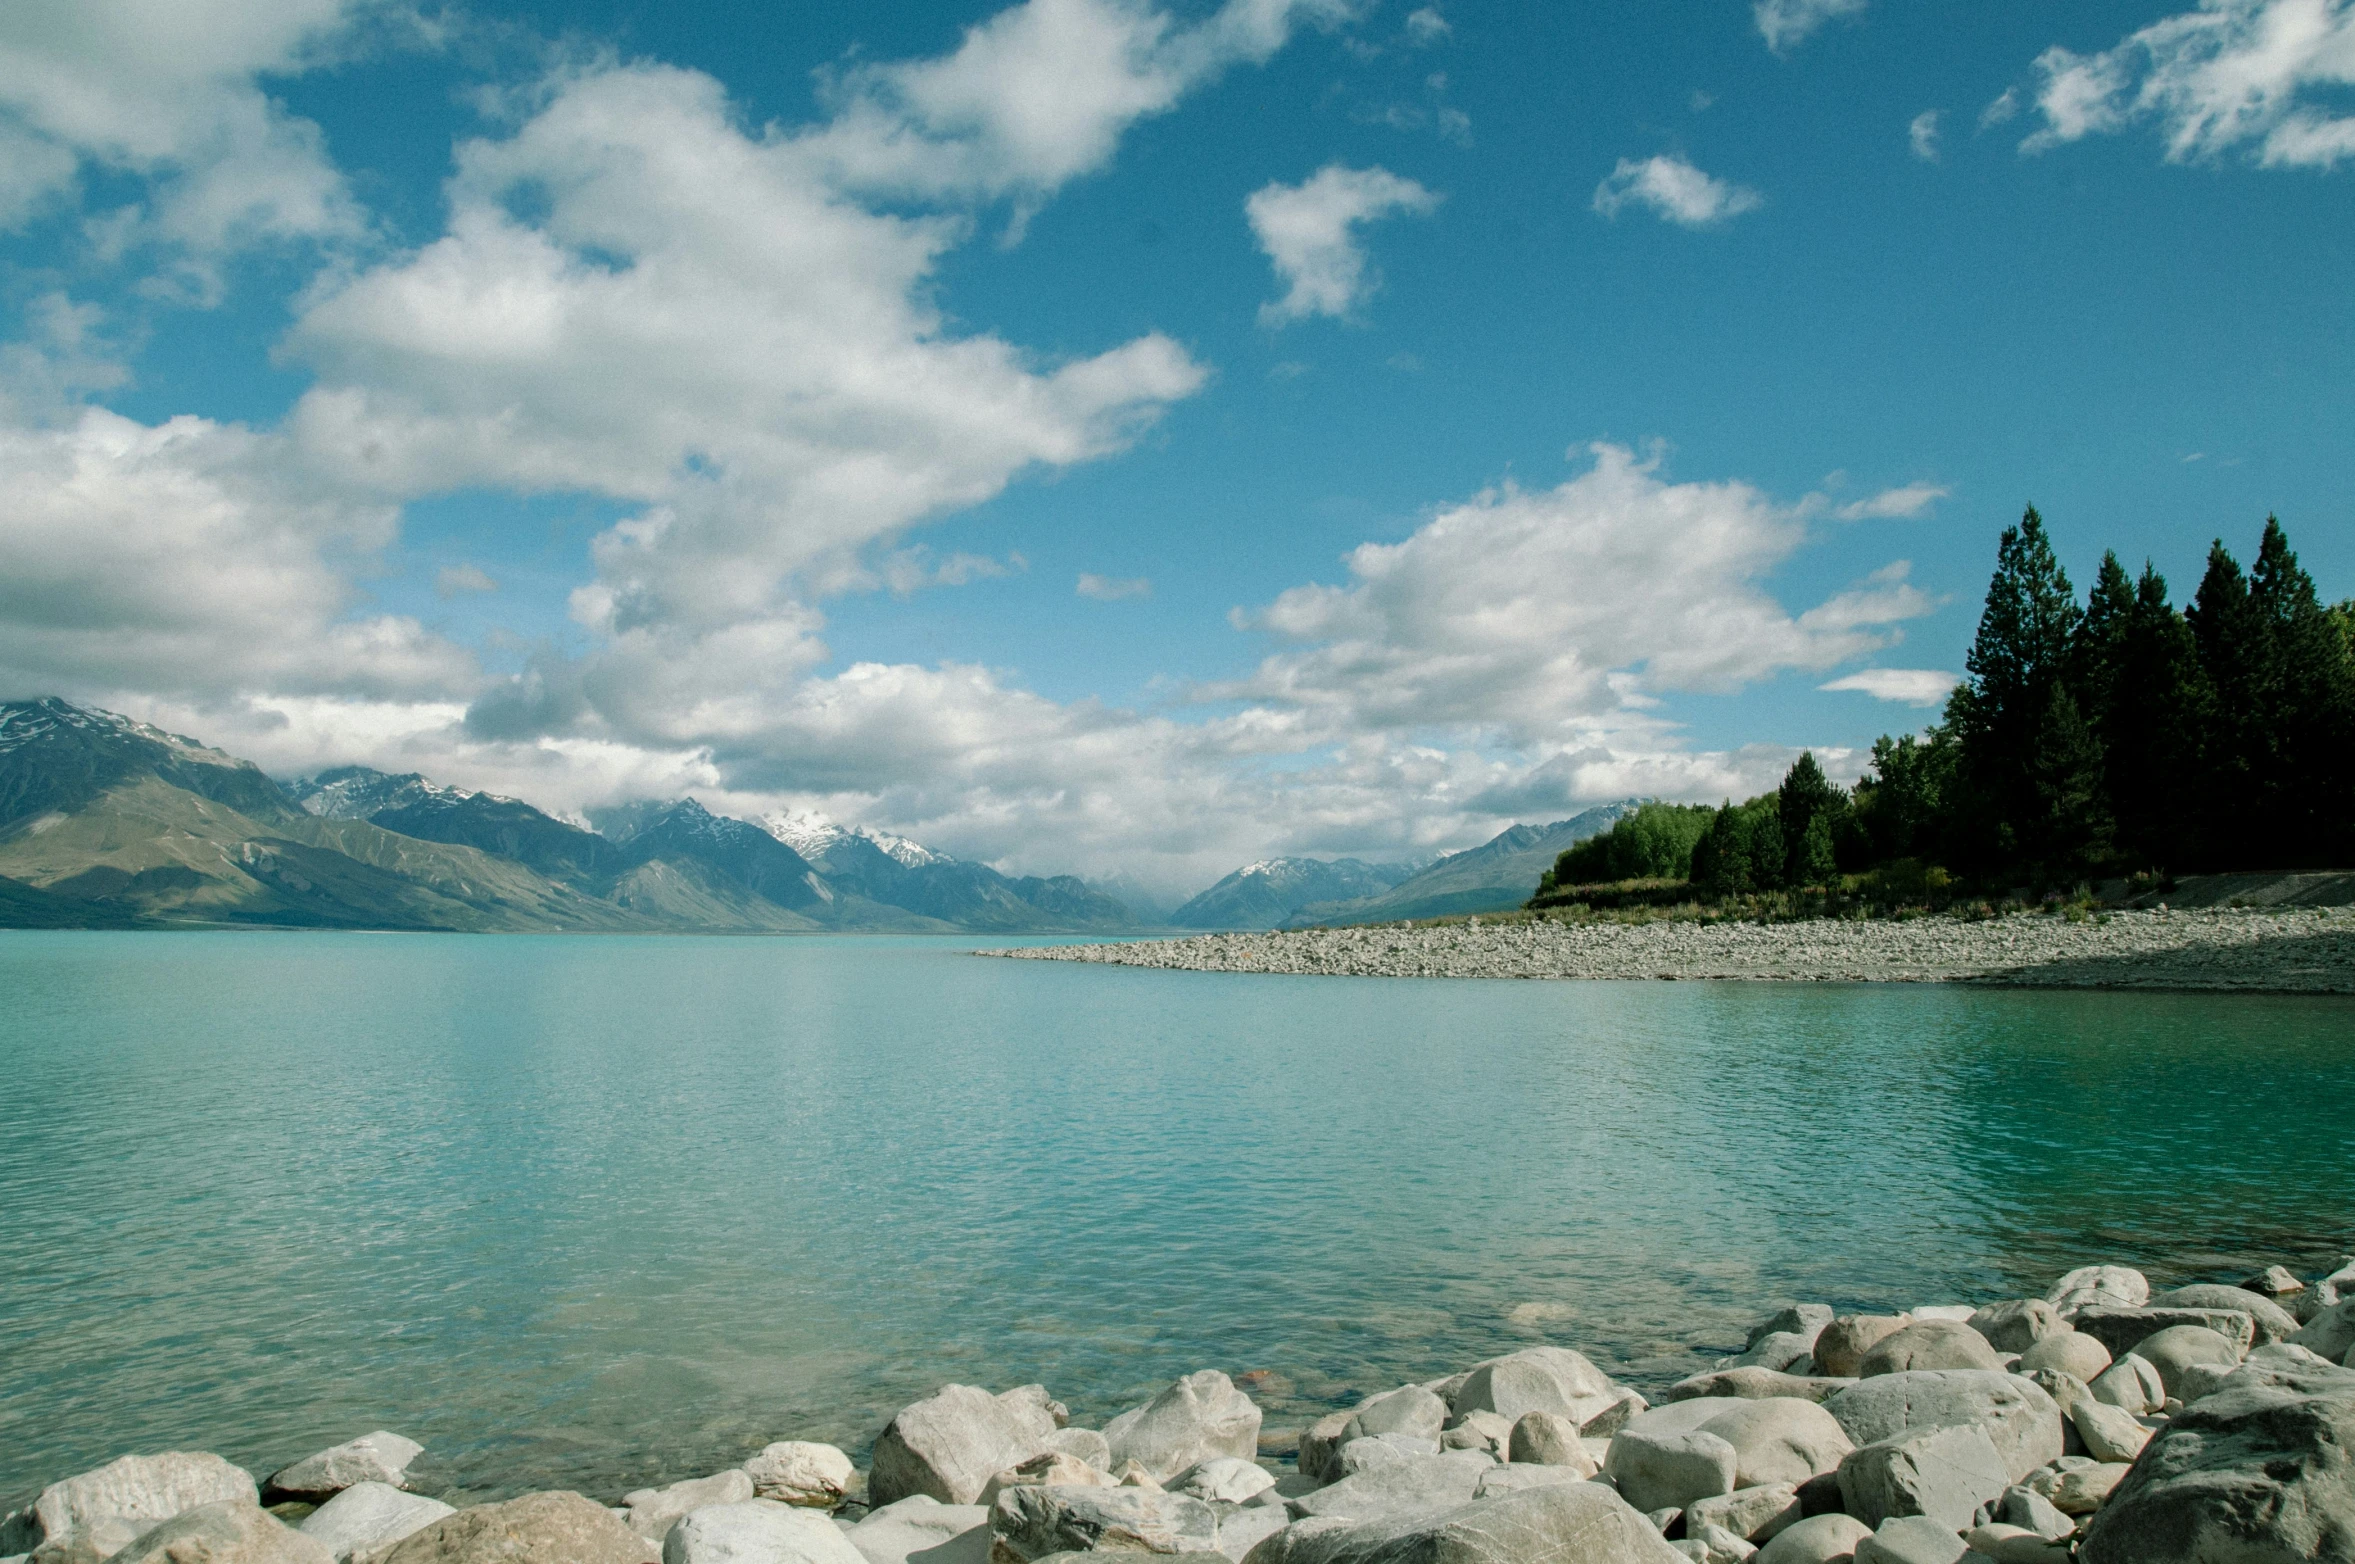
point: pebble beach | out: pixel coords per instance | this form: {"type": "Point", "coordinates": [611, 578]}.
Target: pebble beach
{"type": "Point", "coordinates": [2301, 951]}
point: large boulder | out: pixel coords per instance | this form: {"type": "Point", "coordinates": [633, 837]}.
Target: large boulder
{"type": "Point", "coordinates": [2096, 1285]}
{"type": "Point", "coordinates": [367, 1517]}
{"type": "Point", "coordinates": [921, 1530]}
{"type": "Point", "coordinates": [758, 1531]}
{"type": "Point", "coordinates": [538, 1528]}
{"type": "Point", "coordinates": [654, 1511]}
{"type": "Point", "coordinates": [2070, 1352]}
{"type": "Point", "coordinates": [380, 1457]}
{"type": "Point", "coordinates": [2272, 1321]}
{"type": "Point", "coordinates": [2108, 1433]}
{"type": "Point", "coordinates": [1750, 1383]}
{"type": "Point", "coordinates": [1542, 1439]}
{"type": "Point", "coordinates": [1544, 1379]}
{"type": "Point", "coordinates": [2019, 1417]}
{"type": "Point", "coordinates": [2017, 1325]}
{"type": "Point", "coordinates": [1198, 1418]}
{"type": "Point", "coordinates": [1944, 1473]}
{"type": "Point", "coordinates": [1752, 1514]}
{"type": "Point", "coordinates": [2131, 1382]}
{"type": "Point", "coordinates": [1781, 1351]}
{"type": "Point", "coordinates": [1819, 1539]}
{"type": "Point", "coordinates": [1557, 1523]}
{"type": "Point", "coordinates": [1928, 1344]}
{"type": "Point", "coordinates": [1785, 1440]}
{"type": "Point", "coordinates": [950, 1444]}
{"type": "Point", "coordinates": [2123, 1330]}
{"type": "Point", "coordinates": [119, 1501]}
{"type": "Point", "coordinates": [1662, 1469]}
{"type": "Point", "coordinates": [2262, 1471]}
{"type": "Point", "coordinates": [1030, 1523]}
{"type": "Point", "coordinates": [1082, 1444]}
{"type": "Point", "coordinates": [227, 1531]}
{"type": "Point", "coordinates": [1671, 1454]}
{"type": "Point", "coordinates": [1911, 1539]}
{"type": "Point", "coordinates": [1226, 1480]}
{"type": "Point", "coordinates": [1413, 1483]}
{"type": "Point", "coordinates": [803, 1472]}
{"type": "Point", "coordinates": [1842, 1345]}
{"type": "Point", "coordinates": [1410, 1409]}
{"type": "Point", "coordinates": [2175, 1351]}
{"type": "Point", "coordinates": [2331, 1333]}
{"type": "Point", "coordinates": [1054, 1469]}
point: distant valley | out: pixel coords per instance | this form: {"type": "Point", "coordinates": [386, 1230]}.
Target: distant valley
{"type": "Point", "coordinates": [106, 822]}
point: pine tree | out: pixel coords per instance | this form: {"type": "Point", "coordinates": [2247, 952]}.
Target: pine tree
{"type": "Point", "coordinates": [2067, 836]}
{"type": "Point", "coordinates": [2311, 716]}
{"type": "Point", "coordinates": [2023, 649]}
{"type": "Point", "coordinates": [2150, 733]}
{"type": "Point", "coordinates": [2239, 764]}
{"type": "Point", "coordinates": [1807, 798]}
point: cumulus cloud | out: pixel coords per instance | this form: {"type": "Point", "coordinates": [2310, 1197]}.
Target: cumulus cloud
{"type": "Point", "coordinates": [2262, 77]}
{"type": "Point", "coordinates": [192, 557]}
{"type": "Point", "coordinates": [1922, 135]}
{"type": "Point", "coordinates": [1425, 25]}
{"type": "Point", "coordinates": [695, 319]}
{"type": "Point", "coordinates": [1913, 499]}
{"type": "Point", "coordinates": [1913, 686]}
{"type": "Point", "coordinates": [1309, 231]}
{"type": "Point", "coordinates": [1039, 93]}
{"type": "Point", "coordinates": [1109, 589]}
{"type": "Point", "coordinates": [1536, 614]}
{"type": "Point", "coordinates": [166, 90]}
{"type": "Point", "coordinates": [1783, 23]}
{"type": "Point", "coordinates": [1677, 191]}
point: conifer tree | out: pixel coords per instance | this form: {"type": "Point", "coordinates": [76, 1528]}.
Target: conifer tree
{"type": "Point", "coordinates": [2239, 765]}
{"type": "Point", "coordinates": [1806, 800]}
{"type": "Point", "coordinates": [2311, 715]}
{"type": "Point", "coordinates": [2023, 649]}
{"type": "Point", "coordinates": [2150, 730]}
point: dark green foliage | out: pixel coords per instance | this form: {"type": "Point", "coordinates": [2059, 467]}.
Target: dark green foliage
{"type": "Point", "coordinates": [1654, 843]}
{"type": "Point", "coordinates": [1743, 850]}
{"type": "Point", "coordinates": [1812, 812]}
{"type": "Point", "coordinates": [2117, 738]}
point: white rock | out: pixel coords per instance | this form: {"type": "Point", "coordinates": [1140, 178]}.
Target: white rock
{"type": "Point", "coordinates": [381, 1457]}
{"type": "Point", "coordinates": [2132, 1383]}
{"type": "Point", "coordinates": [922, 1529]}
{"type": "Point", "coordinates": [758, 1531]}
{"type": "Point", "coordinates": [800, 1471]}
{"type": "Point", "coordinates": [2110, 1433]}
{"type": "Point", "coordinates": [652, 1512]}
{"type": "Point", "coordinates": [227, 1531]}
{"type": "Point", "coordinates": [369, 1515]}
{"type": "Point", "coordinates": [2091, 1285]}
{"type": "Point", "coordinates": [1227, 1479]}
{"type": "Point", "coordinates": [951, 1444]}
{"type": "Point", "coordinates": [125, 1498]}
{"type": "Point", "coordinates": [1197, 1419]}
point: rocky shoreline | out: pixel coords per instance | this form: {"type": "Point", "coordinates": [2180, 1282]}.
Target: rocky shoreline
{"type": "Point", "coordinates": [2097, 1423]}
{"type": "Point", "coordinates": [2301, 951]}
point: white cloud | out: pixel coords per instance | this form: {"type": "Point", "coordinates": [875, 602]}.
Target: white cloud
{"type": "Point", "coordinates": [460, 580]}
{"type": "Point", "coordinates": [1309, 231]}
{"type": "Point", "coordinates": [2004, 108]}
{"type": "Point", "coordinates": [1913, 686]}
{"type": "Point", "coordinates": [698, 322]}
{"type": "Point", "coordinates": [167, 90]}
{"type": "Point", "coordinates": [1426, 26]}
{"type": "Point", "coordinates": [1676, 190]}
{"type": "Point", "coordinates": [191, 557]}
{"type": "Point", "coordinates": [2266, 77]}
{"type": "Point", "coordinates": [1540, 614]}
{"type": "Point", "coordinates": [1783, 23]}
{"type": "Point", "coordinates": [1914, 499]}
{"type": "Point", "coordinates": [1109, 589]}
{"type": "Point", "coordinates": [1922, 135]}
{"type": "Point", "coordinates": [1039, 93]}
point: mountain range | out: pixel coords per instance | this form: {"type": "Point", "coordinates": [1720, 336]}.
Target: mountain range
{"type": "Point", "coordinates": [106, 822]}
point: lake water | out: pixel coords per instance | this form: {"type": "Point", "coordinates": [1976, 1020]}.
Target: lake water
{"type": "Point", "coordinates": [594, 1212]}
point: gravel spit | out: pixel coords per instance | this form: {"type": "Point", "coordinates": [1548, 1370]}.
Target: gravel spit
{"type": "Point", "coordinates": [2301, 951]}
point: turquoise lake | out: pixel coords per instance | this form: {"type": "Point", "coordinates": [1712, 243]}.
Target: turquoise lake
{"type": "Point", "coordinates": [597, 1212]}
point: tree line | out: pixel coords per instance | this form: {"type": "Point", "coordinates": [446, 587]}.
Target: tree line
{"type": "Point", "coordinates": [2113, 736]}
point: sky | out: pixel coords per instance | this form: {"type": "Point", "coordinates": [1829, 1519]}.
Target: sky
{"type": "Point", "coordinates": [1135, 437]}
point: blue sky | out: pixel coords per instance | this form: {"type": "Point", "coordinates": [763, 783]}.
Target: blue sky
{"type": "Point", "coordinates": [1135, 437]}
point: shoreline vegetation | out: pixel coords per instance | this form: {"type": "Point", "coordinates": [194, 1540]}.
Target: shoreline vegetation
{"type": "Point", "coordinates": [2099, 1422]}
{"type": "Point", "coordinates": [2033, 836]}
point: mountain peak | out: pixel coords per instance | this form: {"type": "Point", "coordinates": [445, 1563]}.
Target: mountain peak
{"type": "Point", "coordinates": [361, 792]}
{"type": "Point", "coordinates": [28, 722]}
{"type": "Point", "coordinates": [811, 834]}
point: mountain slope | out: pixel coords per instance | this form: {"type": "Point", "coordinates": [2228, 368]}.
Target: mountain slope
{"type": "Point", "coordinates": [1497, 876]}
{"type": "Point", "coordinates": [1262, 895]}
{"type": "Point", "coordinates": [506, 827]}
{"type": "Point", "coordinates": [893, 870]}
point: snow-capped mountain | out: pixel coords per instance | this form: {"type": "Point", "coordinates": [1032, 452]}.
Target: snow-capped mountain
{"type": "Point", "coordinates": [1261, 895]}
{"type": "Point", "coordinates": [360, 793]}
{"type": "Point", "coordinates": [814, 837]}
